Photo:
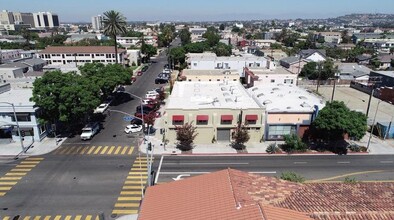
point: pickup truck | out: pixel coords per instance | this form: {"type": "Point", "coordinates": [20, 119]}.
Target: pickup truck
{"type": "Point", "coordinates": [90, 130]}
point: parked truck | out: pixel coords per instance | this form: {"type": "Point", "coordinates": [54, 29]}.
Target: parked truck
{"type": "Point", "coordinates": [90, 130]}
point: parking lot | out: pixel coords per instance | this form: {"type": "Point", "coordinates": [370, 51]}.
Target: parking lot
{"type": "Point", "coordinates": [358, 101]}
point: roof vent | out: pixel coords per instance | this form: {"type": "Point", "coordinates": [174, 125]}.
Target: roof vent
{"type": "Point", "coordinates": [224, 89]}
{"type": "Point", "coordinates": [254, 89]}
{"type": "Point", "coordinates": [259, 95]}
{"type": "Point", "coordinates": [302, 97]}
{"type": "Point", "coordinates": [267, 102]}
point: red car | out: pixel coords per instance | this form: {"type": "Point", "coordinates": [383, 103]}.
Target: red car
{"type": "Point", "coordinates": [139, 73]}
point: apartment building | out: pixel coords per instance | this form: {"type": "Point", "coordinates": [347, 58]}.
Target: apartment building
{"type": "Point", "coordinates": [134, 41]}
{"type": "Point", "coordinates": [209, 75]}
{"type": "Point", "coordinates": [215, 108]}
{"type": "Point", "coordinates": [45, 20]}
{"type": "Point", "coordinates": [330, 37]}
{"type": "Point", "coordinates": [9, 55]}
{"type": "Point", "coordinates": [196, 33]}
{"type": "Point", "coordinates": [259, 77]}
{"type": "Point", "coordinates": [63, 56]}
{"type": "Point", "coordinates": [97, 22]}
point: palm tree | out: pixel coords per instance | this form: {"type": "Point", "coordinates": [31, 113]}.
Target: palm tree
{"type": "Point", "coordinates": [114, 24]}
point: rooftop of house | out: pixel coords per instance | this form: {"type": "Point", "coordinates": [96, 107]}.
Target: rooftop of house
{"type": "Point", "coordinates": [286, 98]}
{"type": "Point", "coordinates": [213, 57]}
{"type": "Point", "coordinates": [234, 194]}
{"type": "Point", "coordinates": [291, 60]}
{"type": "Point", "coordinates": [277, 71]}
{"type": "Point", "coordinates": [210, 95]}
{"type": "Point", "coordinates": [80, 49]}
{"type": "Point", "coordinates": [385, 58]}
{"type": "Point", "coordinates": [215, 72]}
{"type": "Point", "coordinates": [308, 52]}
{"type": "Point", "coordinates": [19, 97]}
{"type": "Point", "coordinates": [385, 73]}
{"type": "Point", "coordinates": [353, 69]}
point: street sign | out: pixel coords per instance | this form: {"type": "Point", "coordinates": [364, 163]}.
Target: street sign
{"type": "Point", "coordinates": [128, 118]}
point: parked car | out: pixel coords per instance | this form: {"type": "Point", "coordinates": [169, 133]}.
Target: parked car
{"type": "Point", "coordinates": [136, 121]}
{"type": "Point", "coordinates": [145, 108]}
{"type": "Point", "coordinates": [152, 92]}
{"type": "Point", "coordinates": [139, 73]}
{"type": "Point", "coordinates": [133, 79]}
{"type": "Point", "coordinates": [166, 66]}
{"type": "Point", "coordinates": [144, 68]}
{"type": "Point", "coordinates": [149, 131]}
{"type": "Point", "coordinates": [161, 81]}
{"type": "Point", "coordinates": [133, 128]}
{"type": "Point", "coordinates": [101, 108]}
{"type": "Point", "coordinates": [151, 96]}
{"type": "Point", "coordinates": [90, 130]}
{"type": "Point", "coordinates": [148, 101]}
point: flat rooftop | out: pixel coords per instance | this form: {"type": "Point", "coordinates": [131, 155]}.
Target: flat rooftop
{"type": "Point", "coordinates": [210, 95]}
{"type": "Point", "coordinates": [19, 97]}
{"type": "Point", "coordinates": [277, 71]}
{"type": "Point", "coordinates": [385, 73]}
{"type": "Point", "coordinates": [286, 98]}
{"type": "Point", "coordinates": [214, 72]}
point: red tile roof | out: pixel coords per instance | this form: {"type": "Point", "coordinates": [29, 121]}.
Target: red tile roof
{"type": "Point", "coordinates": [233, 194]}
{"type": "Point", "coordinates": [81, 49]}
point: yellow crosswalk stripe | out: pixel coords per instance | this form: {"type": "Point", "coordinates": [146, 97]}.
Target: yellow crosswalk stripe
{"type": "Point", "coordinates": [124, 150]}
{"type": "Point", "coordinates": [111, 149]}
{"type": "Point", "coordinates": [6, 218]}
{"type": "Point", "coordinates": [30, 162]}
{"type": "Point", "coordinates": [47, 217]}
{"type": "Point", "coordinates": [141, 158]}
{"type": "Point", "coordinates": [97, 149]}
{"type": "Point", "coordinates": [139, 165]}
{"type": "Point", "coordinates": [104, 150]}
{"type": "Point", "coordinates": [70, 150]}
{"type": "Point", "coordinates": [7, 183]}
{"type": "Point", "coordinates": [68, 217]}
{"type": "Point", "coordinates": [20, 170]}
{"type": "Point", "coordinates": [134, 198]}
{"type": "Point", "coordinates": [131, 150]}
{"type": "Point", "coordinates": [88, 217]}
{"type": "Point", "coordinates": [139, 169]}
{"type": "Point", "coordinates": [2, 193]}
{"type": "Point", "coordinates": [97, 218]}
{"type": "Point", "coordinates": [91, 149]}
{"type": "Point", "coordinates": [133, 187]}
{"type": "Point", "coordinates": [84, 150]}
{"type": "Point", "coordinates": [137, 173]}
{"type": "Point", "coordinates": [127, 205]}
{"type": "Point", "coordinates": [125, 211]}
{"type": "Point", "coordinates": [78, 217]}
{"type": "Point", "coordinates": [37, 217]}
{"type": "Point", "coordinates": [130, 193]}
{"type": "Point", "coordinates": [25, 166]}
{"type": "Point", "coordinates": [26, 218]}
{"type": "Point", "coordinates": [63, 150]}
{"type": "Point", "coordinates": [78, 150]}
{"type": "Point", "coordinates": [58, 217]}
{"type": "Point", "coordinates": [118, 149]}
{"type": "Point", "coordinates": [10, 178]}
{"type": "Point", "coordinates": [134, 182]}
{"type": "Point", "coordinates": [34, 158]}
{"type": "Point", "coordinates": [139, 177]}
{"type": "Point", "coordinates": [5, 188]}
{"type": "Point", "coordinates": [15, 174]}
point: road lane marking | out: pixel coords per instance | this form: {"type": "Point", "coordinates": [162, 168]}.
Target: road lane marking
{"type": "Point", "coordinates": [345, 175]}
{"type": "Point", "coordinates": [104, 150]}
{"type": "Point", "coordinates": [343, 162]}
{"type": "Point", "coordinates": [118, 149]}
{"type": "Point", "coordinates": [91, 149]}
{"type": "Point", "coordinates": [7, 183]}
{"type": "Point", "coordinates": [37, 217]}
{"type": "Point", "coordinates": [134, 182]}
{"type": "Point", "coordinates": [139, 169]}
{"type": "Point", "coordinates": [35, 158]}
{"type": "Point", "coordinates": [5, 188]}
{"type": "Point", "coordinates": [2, 193]}
{"type": "Point", "coordinates": [78, 217]}
{"type": "Point", "coordinates": [158, 169]}
{"type": "Point", "coordinates": [77, 150]}
{"type": "Point", "coordinates": [15, 174]}
{"type": "Point", "coordinates": [137, 177]}
{"type": "Point", "coordinates": [139, 165]}
{"type": "Point", "coordinates": [124, 211]}
{"type": "Point", "coordinates": [88, 217]}
{"type": "Point", "coordinates": [98, 149]}
{"type": "Point", "coordinates": [68, 217]}
{"type": "Point", "coordinates": [137, 173]}
{"type": "Point", "coordinates": [134, 198]}
{"type": "Point", "coordinates": [127, 205]}
{"type": "Point", "coordinates": [267, 172]}
{"type": "Point", "coordinates": [20, 170]}
{"type": "Point", "coordinates": [30, 162]}
{"type": "Point", "coordinates": [206, 163]}
{"type": "Point", "coordinates": [47, 217]}
{"type": "Point", "coordinates": [58, 217]}
{"type": "Point", "coordinates": [10, 178]}
{"type": "Point", "coordinates": [204, 172]}
{"type": "Point", "coordinates": [26, 218]}
{"type": "Point", "coordinates": [25, 166]}
{"type": "Point", "coordinates": [130, 193]}
{"type": "Point", "coordinates": [132, 187]}
{"type": "Point", "coordinates": [387, 161]}
{"type": "Point", "coordinates": [131, 150]}
{"type": "Point", "coordinates": [111, 149]}
{"type": "Point", "coordinates": [6, 218]}
{"type": "Point", "coordinates": [84, 150]}
{"type": "Point", "coordinates": [300, 162]}
{"type": "Point", "coordinates": [71, 150]}
{"type": "Point", "coordinates": [124, 150]}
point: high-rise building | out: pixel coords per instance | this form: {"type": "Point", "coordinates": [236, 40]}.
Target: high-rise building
{"type": "Point", "coordinates": [24, 18]}
{"type": "Point", "coordinates": [97, 22]}
{"type": "Point", "coordinates": [45, 20]}
{"type": "Point", "coordinates": [6, 18]}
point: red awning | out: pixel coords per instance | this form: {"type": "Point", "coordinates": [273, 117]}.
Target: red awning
{"type": "Point", "coordinates": [227, 118]}
{"type": "Point", "coordinates": [202, 117]}
{"type": "Point", "coordinates": [178, 117]}
{"type": "Point", "coordinates": [251, 117]}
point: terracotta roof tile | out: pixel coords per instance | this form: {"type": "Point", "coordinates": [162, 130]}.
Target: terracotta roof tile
{"type": "Point", "coordinates": [81, 49]}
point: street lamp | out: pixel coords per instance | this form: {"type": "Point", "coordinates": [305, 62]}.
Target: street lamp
{"type": "Point", "coordinates": [17, 123]}
{"type": "Point", "coordinates": [373, 124]}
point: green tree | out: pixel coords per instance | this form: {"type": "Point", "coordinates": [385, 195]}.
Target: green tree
{"type": "Point", "coordinates": [198, 47]}
{"type": "Point", "coordinates": [293, 143]}
{"type": "Point", "coordinates": [336, 119]}
{"type": "Point", "coordinates": [114, 24]}
{"type": "Point", "coordinates": [222, 49]}
{"type": "Point", "coordinates": [185, 136]}
{"type": "Point", "coordinates": [310, 71]}
{"type": "Point", "coordinates": [292, 177]}
{"type": "Point", "coordinates": [236, 29]}
{"type": "Point", "coordinates": [276, 46]}
{"type": "Point", "coordinates": [166, 36]}
{"type": "Point", "coordinates": [132, 34]}
{"type": "Point", "coordinates": [212, 36]}
{"type": "Point", "coordinates": [222, 27]}
{"type": "Point", "coordinates": [240, 137]}
{"type": "Point", "coordinates": [185, 36]}
{"type": "Point", "coordinates": [148, 50]}
{"type": "Point", "coordinates": [178, 55]}
{"type": "Point", "coordinates": [322, 71]}
{"type": "Point", "coordinates": [375, 62]}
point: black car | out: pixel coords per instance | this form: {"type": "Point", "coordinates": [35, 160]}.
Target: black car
{"type": "Point", "coordinates": [144, 68]}
{"type": "Point", "coordinates": [145, 109]}
{"type": "Point", "coordinates": [136, 121]}
{"type": "Point", "coordinates": [160, 81]}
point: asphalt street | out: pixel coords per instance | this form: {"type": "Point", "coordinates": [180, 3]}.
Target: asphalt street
{"type": "Point", "coordinates": [312, 167]}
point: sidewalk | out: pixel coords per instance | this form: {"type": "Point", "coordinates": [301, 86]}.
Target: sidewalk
{"type": "Point", "coordinates": [13, 148]}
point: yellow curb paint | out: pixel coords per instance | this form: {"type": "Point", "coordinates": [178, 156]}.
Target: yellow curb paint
{"type": "Point", "coordinates": [118, 149]}
{"type": "Point", "coordinates": [104, 150]}
{"type": "Point", "coordinates": [127, 205]}
{"type": "Point", "coordinates": [111, 149]}
{"type": "Point", "coordinates": [130, 151]}
{"type": "Point", "coordinates": [125, 212]}
{"type": "Point", "coordinates": [124, 150]}
{"type": "Point", "coordinates": [91, 149]}
{"type": "Point", "coordinates": [98, 149]}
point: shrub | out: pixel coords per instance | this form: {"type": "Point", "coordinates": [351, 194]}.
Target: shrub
{"type": "Point", "coordinates": [293, 143]}
{"type": "Point", "coordinates": [240, 136]}
{"type": "Point", "coordinates": [185, 135]}
{"type": "Point", "coordinates": [292, 177]}
{"type": "Point", "coordinates": [350, 180]}
{"type": "Point", "coordinates": [273, 148]}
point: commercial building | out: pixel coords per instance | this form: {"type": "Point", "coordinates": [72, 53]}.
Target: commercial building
{"type": "Point", "coordinates": [72, 56]}
{"type": "Point", "coordinates": [20, 69]}
{"type": "Point", "coordinates": [215, 108]}
{"type": "Point", "coordinates": [370, 36]}
{"type": "Point", "coordinates": [134, 41]}
{"type": "Point", "coordinates": [330, 37]}
{"type": "Point", "coordinates": [288, 109]}
{"type": "Point", "coordinates": [259, 77]}
{"type": "Point", "coordinates": [26, 115]}
{"type": "Point", "coordinates": [97, 22]}
{"type": "Point", "coordinates": [45, 20]}
{"type": "Point", "coordinates": [209, 75]}
{"type": "Point", "coordinates": [9, 55]}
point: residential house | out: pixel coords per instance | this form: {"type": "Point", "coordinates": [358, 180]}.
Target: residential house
{"type": "Point", "coordinates": [196, 33]}
{"type": "Point", "coordinates": [313, 55]}
{"type": "Point", "coordinates": [234, 194]}
{"type": "Point", "coordinates": [385, 60]}
{"type": "Point", "coordinates": [293, 64]}
{"type": "Point", "coordinates": [382, 78]}
{"type": "Point", "coordinates": [330, 37]}
{"type": "Point", "coordinates": [353, 72]}
{"type": "Point", "coordinates": [259, 77]}
{"type": "Point", "coordinates": [220, 75]}
{"type": "Point", "coordinates": [263, 43]}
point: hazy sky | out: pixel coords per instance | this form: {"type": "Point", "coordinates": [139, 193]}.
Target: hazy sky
{"type": "Point", "coordinates": [200, 10]}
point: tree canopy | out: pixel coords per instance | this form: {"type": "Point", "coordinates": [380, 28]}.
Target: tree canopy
{"type": "Point", "coordinates": [166, 36]}
{"type": "Point", "coordinates": [322, 71]}
{"type": "Point", "coordinates": [114, 25]}
{"type": "Point", "coordinates": [185, 36]}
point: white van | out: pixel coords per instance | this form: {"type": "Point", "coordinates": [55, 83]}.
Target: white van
{"type": "Point", "coordinates": [90, 130]}
{"type": "Point", "coordinates": [150, 96]}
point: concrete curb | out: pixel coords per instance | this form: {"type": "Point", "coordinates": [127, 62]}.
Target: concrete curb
{"type": "Point", "coordinates": [259, 154]}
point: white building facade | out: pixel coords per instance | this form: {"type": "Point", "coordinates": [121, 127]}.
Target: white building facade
{"type": "Point", "coordinates": [46, 20]}
{"type": "Point", "coordinates": [97, 22]}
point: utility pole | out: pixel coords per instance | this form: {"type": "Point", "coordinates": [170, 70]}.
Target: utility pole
{"type": "Point", "coordinates": [333, 89]}
{"type": "Point", "coordinates": [374, 80]}
{"type": "Point", "coordinates": [373, 124]}
{"type": "Point", "coordinates": [318, 78]}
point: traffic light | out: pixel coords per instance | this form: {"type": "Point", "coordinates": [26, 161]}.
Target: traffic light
{"type": "Point", "coordinates": [149, 146]}
{"type": "Point", "coordinates": [23, 133]}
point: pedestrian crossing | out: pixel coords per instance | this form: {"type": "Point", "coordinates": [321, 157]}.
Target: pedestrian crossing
{"type": "Point", "coordinates": [94, 150]}
{"type": "Point", "coordinates": [130, 197]}
{"type": "Point", "coordinates": [11, 178]}
{"type": "Point", "coordinates": [53, 217]}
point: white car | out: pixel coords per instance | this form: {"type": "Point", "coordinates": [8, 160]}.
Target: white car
{"type": "Point", "coordinates": [101, 108]}
{"type": "Point", "coordinates": [132, 128]}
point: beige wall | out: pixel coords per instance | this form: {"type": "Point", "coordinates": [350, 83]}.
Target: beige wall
{"type": "Point", "coordinates": [283, 118]}
{"type": "Point", "coordinates": [201, 77]}
{"type": "Point", "coordinates": [207, 132]}
{"type": "Point", "coordinates": [297, 67]}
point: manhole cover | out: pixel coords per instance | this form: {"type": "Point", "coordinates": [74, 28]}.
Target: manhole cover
{"type": "Point", "coordinates": [121, 166]}
{"type": "Point", "coordinates": [5, 208]}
